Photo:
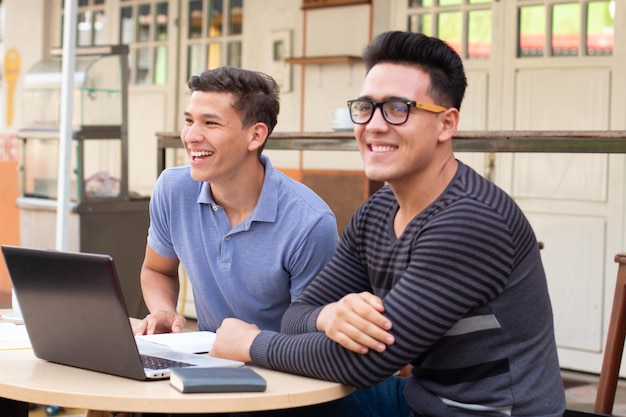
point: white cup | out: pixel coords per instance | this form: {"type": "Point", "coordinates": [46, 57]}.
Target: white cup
{"type": "Point", "coordinates": [17, 313]}
{"type": "Point", "coordinates": [340, 118]}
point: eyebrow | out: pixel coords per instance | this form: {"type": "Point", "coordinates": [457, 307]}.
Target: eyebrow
{"type": "Point", "coordinates": [203, 115]}
{"type": "Point", "coordinates": [384, 99]}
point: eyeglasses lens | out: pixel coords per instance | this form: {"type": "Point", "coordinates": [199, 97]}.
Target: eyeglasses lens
{"type": "Point", "coordinates": [395, 112]}
{"type": "Point", "coordinates": [361, 111]}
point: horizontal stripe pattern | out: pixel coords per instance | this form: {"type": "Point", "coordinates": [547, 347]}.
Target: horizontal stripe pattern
{"type": "Point", "coordinates": [465, 290]}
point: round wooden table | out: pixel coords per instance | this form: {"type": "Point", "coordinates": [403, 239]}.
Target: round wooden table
{"type": "Point", "coordinates": [25, 378]}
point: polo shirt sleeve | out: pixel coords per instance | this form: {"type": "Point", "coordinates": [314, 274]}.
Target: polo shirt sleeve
{"type": "Point", "coordinates": [313, 253]}
{"type": "Point", "coordinates": [159, 237]}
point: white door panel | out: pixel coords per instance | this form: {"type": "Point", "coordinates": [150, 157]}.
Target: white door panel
{"type": "Point", "coordinates": [574, 267]}
{"type": "Point", "coordinates": [474, 115]}
{"type": "Point", "coordinates": [563, 98]}
{"type": "Point", "coordinates": [148, 112]}
{"type": "Point", "coordinates": [561, 177]}
{"type": "Point", "coordinates": [567, 199]}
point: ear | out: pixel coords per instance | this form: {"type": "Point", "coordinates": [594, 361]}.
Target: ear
{"type": "Point", "coordinates": [449, 124]}
{"type": "Point", "coordinates": [258, 135]}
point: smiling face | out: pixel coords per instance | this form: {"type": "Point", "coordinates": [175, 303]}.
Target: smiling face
{"type": "Point", "coordinates": [214, 138]}
{"type": "Point", "coordinates": [401, 153]}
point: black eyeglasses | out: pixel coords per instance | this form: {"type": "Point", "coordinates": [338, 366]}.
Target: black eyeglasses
{"type": "Point", "coordinates": [395, 112]}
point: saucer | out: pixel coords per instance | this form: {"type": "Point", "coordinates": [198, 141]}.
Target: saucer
{"type": "Point", "coordinates": [12, 317]}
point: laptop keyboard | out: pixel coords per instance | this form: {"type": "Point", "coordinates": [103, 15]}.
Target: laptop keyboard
{"type": "Point", "coordinates": [153, 362]}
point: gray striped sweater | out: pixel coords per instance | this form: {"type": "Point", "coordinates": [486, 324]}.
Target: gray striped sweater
{"type": "Point", "coordinates": [466, 292]}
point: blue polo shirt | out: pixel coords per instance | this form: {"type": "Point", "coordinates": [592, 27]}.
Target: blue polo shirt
{"type": "Point", "coordinates": [254, 270]}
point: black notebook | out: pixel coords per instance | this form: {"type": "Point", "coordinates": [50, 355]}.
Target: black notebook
{"type": "Point", "coordinates": [217, 380]}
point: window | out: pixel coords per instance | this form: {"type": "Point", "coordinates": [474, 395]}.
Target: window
{"type": "Point", "coordinates": [90, 22]}
{"type": "Point", "coordinates": [144, 27]}
{"type": "Point", "coordinates": [575, 28]}
{"type": "Point", "coordinates": [213, 34]}
{"type": "Point", "coordinates": [464, 24]}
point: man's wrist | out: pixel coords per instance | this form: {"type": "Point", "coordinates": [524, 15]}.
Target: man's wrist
{"type": "Point", "coordinates": [317, 320]}
{"type": "Point", "coordinates": [260, 347]}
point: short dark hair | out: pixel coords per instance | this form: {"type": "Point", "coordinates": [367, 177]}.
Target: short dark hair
{"type": "Point", "coordinates": [256, 94]}
{"type": "Point", "coordinates": [432, 55]}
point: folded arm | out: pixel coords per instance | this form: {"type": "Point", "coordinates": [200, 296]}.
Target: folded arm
{"type": "Point", "coordinates": [422, 305]}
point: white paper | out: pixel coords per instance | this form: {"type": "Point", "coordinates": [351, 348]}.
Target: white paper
{"type": "Point", "coordinates": [190, 342]}
{"type": "Point", "coordinates": [13, 336]}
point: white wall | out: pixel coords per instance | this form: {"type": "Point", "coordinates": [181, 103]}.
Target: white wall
{"type": "Point", "coordinates": [315, 89]}
{"type": "Point", "coordinates": [26, 33]}
{"type": "Point", "coordinates": [276, 16]}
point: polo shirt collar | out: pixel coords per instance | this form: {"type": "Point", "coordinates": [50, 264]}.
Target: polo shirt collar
{"type": "Point", "coordinates": [266, 208]}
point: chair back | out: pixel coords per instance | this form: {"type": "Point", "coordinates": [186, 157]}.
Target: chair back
{"type": "Point", "coordinates": [609, 374]}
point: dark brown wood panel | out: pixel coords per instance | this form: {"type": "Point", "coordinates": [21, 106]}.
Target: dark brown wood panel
{"type": "Point", "coordinates": [343, 191]}
{"type": "Point", "coordinates": [314, 4]}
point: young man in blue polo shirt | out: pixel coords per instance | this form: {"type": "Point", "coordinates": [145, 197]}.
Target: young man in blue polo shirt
{"type": "Point", "coordinates": [248, 237]}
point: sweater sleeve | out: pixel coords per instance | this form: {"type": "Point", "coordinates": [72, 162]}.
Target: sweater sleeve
{"type": "Point", "coordinates": [301, 315]}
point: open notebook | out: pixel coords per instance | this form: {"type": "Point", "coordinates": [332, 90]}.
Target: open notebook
{"type": "Point", "coordinates": [74, 312]}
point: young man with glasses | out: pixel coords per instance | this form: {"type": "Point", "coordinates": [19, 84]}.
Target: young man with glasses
{"type": "Point", "coordinates": [439, 268]}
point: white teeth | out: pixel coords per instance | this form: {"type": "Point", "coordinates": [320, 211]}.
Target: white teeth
{"type": "Point", "coordinates": [383, 148]}
{"type": "Point", "coordinates": [197, 154]}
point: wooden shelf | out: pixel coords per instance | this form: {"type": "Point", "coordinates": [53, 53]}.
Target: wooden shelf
{"type": "Point", "coordinates": [584, 142]}
{"type": "Point", "coordinates": [334, 59]}
{"type": "Point", "coordinates": [538, 141]}
{"type": "Point", "coordinates": [316, 4]}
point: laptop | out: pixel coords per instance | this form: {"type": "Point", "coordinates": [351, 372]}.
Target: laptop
{"type": "Point", "coordinates": [74, 312]}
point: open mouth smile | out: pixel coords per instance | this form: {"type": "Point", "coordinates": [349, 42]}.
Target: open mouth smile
{"type": "Point", "coordinates": [382, 148]}
{"type": "Point", "coordinates": [198, 155]}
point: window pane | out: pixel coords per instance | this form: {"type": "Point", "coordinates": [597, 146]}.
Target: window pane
{"type": "Point", "coordinates": [479, 1]}
{"type": "Point", "coordinates": [99, 23]}
{"type": "Point", "coordinates": [450, 2]}
{"type": "Point", "coordinates": [144, 19]}
{"type": "Point", "coordinates": [234, 54]}
{"type": "Point", "coordinates": [449, 29]}
{"type": "Point", "coordinates": [479, 34]}
{"type": "Point", "coordinates": [131, 60]}
{"type": "Point", "coordinates": [565, 29]}
{"type": "Point", "coordinates": [236, 17]}
{"type": "Point", "coordinates": [214, 55]}
{"type": "Point", "coordinates": [127, 25]}
{"type": "Point", "coordinates": [98, 1]}
{"type": "Point", "coordinates": [421, 23]}
{"type": "Point", "coordinates": [600, 28]}
{"type": "Point", "coordinates": [142, 66]}
{"type": "Point", "coordinates": [83, 36]}
{"type": "Point", "coordinates": [195, 19]}
{"type": "Point", "coordinates": [532, 31]}
{"type": "Point", "coordinates": [160, 65]}
{"type": "Point", "coordinates": [420, 3]}
{"type": "Point", "coordinates": [160, 32]}
{"type": "Point", "coordinates": [216, 18]}
{"type": "Point", "coordinates": [195, 60]}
